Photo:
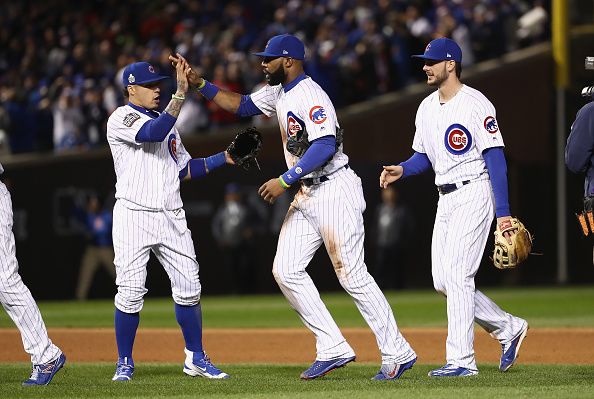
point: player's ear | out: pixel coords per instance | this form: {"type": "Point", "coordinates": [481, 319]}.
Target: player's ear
{"type": "Point", "coordinates": [451, 65]}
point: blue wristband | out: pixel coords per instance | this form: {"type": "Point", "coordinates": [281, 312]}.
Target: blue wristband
{"type": "Point", "coordinates": [215, 161]}
{"type": "Point", "coordinates": [209, 91]}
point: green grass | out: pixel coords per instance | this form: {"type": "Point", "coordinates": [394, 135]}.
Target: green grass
{"type": "Point", "coordinates": [542, 307]}
{"type": "Point", "coordinates": [266, 381]}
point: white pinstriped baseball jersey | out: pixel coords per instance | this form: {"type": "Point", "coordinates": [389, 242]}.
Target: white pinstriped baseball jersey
{"type": "Point", "coordinates": [455, 134]}
{"type": "Point", "coordinates": [148, 214]}
{"type": "Point", "coordinates": [329, 213]}
{"type": "Point", "coordinates": [147, 173]}
{"type": "Point", "coordinates": [305, 106]}
{"type": "Point", "coordinates": [14, 294]}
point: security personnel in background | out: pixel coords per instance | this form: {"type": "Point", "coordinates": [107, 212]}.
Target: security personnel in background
{"type": "Point", "coordinates": [579, 153]}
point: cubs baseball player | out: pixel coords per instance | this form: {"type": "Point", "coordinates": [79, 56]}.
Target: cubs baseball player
{"type": "Point", "coordinates": [458, 136]}
{"type": "Point", "coordinates": [18, 302]}
{"type": "Point", "coordinates": [328, 209]}
{"type": "Point", "coordinates": [150, 160]}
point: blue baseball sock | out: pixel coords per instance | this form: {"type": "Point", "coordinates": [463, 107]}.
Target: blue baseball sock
{"type": "Point", "coordinates": [126, 325]}
{"type": "Point", "coordinates": [189, 319]}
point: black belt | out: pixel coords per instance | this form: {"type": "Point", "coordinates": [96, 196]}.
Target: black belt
{"type": "Point", "coordinates": [318, 180]}
{"type": "Point", "coordinates": [448, 188]}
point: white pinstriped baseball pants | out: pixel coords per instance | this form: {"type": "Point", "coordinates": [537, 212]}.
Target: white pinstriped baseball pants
{"type": "Point", "coordinates": [16, 297]}
{"type": "Point", "coordinates": [138, 232]}
{"type": "Point", "coordinates": [332, 213]}
{"type": "Point", "coordinates": [462, 226]}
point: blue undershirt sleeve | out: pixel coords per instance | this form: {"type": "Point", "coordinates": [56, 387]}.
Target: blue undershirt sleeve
{"type": "Point", "coordinates": [497, 167]}
{"type": "Point", "coordinates": [247, 107]}
{"type": "Point", "coordinates": [418, 163]}
{"type": "Point", "coordinates": [200, 167]}
{"type": "Point", "coordinates": [320, 151]}
{"type": "Point", "coordinates": [156, 129]}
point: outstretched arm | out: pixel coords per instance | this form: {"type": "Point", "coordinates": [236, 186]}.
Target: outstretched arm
{"type": "Point", "coordinates": [417, 163]}
{"type": "Point", "coordinates": [197, 168]}
{"type": "Point", "coordinates": [225, 99]}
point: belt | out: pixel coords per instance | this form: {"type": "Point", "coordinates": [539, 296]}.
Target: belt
{"type": "Point", "coordinates": [318, 180]}
{"type": "Point", "coordinates": [448, 188]}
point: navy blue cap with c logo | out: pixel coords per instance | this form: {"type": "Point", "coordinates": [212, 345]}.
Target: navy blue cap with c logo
{"type": "Point", "coordinates": [442, 49]}
{"type": "Point", "coordinates": [140, 73]}
{"type": "Point", "coordinates": [284, 46]}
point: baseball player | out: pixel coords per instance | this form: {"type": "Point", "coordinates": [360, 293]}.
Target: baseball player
{"type": "Point", "coordinates": [328, 209]}
{"type": "Point", "coordinates": [150, 160]}
{"type": "Point", "coordinates": [458, 136]}
{"type": "Point", "coordinates": [18, 302]}
{"type": "Point", "coordinates": [578, 152]}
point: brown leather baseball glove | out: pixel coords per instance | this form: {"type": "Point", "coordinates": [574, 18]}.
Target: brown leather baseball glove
{"type": "Point", "coordinates": [506, 255]}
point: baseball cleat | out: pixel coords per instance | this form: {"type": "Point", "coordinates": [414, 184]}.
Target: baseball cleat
{"type": "Point", "coordinates": [449, 370]}
{"type": "Point", "coordinates": [198, 364]}
{"type": "Point", "coordinates": [320, 368]}
{"type": "Point", "coordinates": [42, 374]}
{"type": "Point", "coordinates": [511, 350]}
{"type": "Point", "coordinates": [124, 370]}
{"type": "Point", "coordinates": [393, 371]}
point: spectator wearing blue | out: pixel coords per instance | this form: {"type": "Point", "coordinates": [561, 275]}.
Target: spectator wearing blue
{"type": "Point", "coordinates": [99, 251]}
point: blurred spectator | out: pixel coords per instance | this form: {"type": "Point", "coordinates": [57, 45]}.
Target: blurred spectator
{"type": "Point", "coordinates": [61, 62]}
{"type": "Point", "coordinates": [234, 234]}
{"type": "Point", "coordinates": [99, 251]}
{"type": "Point", "coordinates": [68, 122]}
{"type": "Point", "coordinates": [394, 225]}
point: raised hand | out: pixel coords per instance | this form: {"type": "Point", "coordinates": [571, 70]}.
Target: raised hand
{"type": "Point", "coordinates": [194, 79]}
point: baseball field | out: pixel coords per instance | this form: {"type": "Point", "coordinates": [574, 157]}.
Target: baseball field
{"type": "Point", "coordinates": [261, 342]}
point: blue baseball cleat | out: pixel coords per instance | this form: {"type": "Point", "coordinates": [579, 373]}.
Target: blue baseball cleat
{"type": "Point", "coordinates": [510, 351]}
{"type": "Point", "coordinates": [323, 367]}
{"type": "Point", "coordinates": [393, 371]}
{"type": "Point", "coordinates": [124, 370]}
{"type": "Point", "coordinates": [198, 364]}
{"type": "Point", "coordinates": [449, 370]}
{"type": "Point", "coordinates": [42, 374]}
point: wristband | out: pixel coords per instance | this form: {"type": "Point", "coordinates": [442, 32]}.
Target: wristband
{"type": "Point", "coordinates": [178, 97]}
{"type": "Point", "coordinates": [215, 161]}
{"type": "Point", "coordinates": [201, 86]}
{"type": "Point", "coordinates": [282, 183]}
{"type": "Point", "coordinates": [209, 91]}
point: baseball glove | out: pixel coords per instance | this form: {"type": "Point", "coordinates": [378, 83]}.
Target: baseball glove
{"type": "Point", "coordinates": [506, 255]}
{"type": "Point", "coordinates": [245, 148]}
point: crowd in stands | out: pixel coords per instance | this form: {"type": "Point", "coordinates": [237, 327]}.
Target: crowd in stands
{"type": "Point", "coordinates": [61, 61]}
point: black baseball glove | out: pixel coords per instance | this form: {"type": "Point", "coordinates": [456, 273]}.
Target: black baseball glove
{"type": "Point", "coordinates": [245, 148]}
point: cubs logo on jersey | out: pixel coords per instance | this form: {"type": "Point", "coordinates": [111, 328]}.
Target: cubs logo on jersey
{"type": "Point", "coordinates": [317, 114]}
{"type": "Point", "coordinates": [295, 126]}
{"type": "Point", "coordinates": [457, 139]}
{"type": "Point", "coordinates": [172, 146]}
{"type": "Point", "coordinates": [491, 124]}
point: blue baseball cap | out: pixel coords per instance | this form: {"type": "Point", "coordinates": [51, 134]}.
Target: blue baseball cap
{"type": "Point", "coordinates": [140, 73]}
{"type": "Point", "coordinates": [284, 46]}
{"type": "Point", "coordinates": [442, 49]}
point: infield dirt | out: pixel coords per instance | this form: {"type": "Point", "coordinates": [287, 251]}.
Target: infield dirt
{"type": "Point", "coordinates": [542, 345]}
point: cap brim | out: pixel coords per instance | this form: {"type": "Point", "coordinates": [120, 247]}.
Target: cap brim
{"type": "Point", "coordinates": [265, 54]}
{"type": "Point", "coordinates": [156, 79]}
{"type": "Point", "coordinates": [423, 56]}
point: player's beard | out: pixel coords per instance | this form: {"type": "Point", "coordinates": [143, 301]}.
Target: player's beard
{"type": "Point", "coordinates": [277, 77]}
{"type": "Point", "coordinates": [438, 78]}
